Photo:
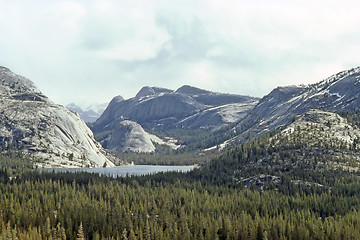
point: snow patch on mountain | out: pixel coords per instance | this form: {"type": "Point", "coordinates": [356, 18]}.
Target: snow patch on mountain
{"type": "Point", "coordinates": [337, 93]}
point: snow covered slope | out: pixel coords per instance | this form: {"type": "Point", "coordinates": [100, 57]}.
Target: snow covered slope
{"type": "Point", "coordinates": [340, 92]}
{"type": "Point", "coordinates": [54, 135]}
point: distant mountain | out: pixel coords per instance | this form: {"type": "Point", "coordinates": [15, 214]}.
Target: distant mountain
{"type": "Point", "coordinates": [340, 92]}
{"type": "Point", "coordinates": [53, 135]}
{"type": "Point", "coordinates": [164, 109]}
{"type": "Point", "coordinates": [90, 113]}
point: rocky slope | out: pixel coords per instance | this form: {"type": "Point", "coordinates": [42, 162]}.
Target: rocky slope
{"type": "Point", "coordinates": [164, 109]}
{"type": "Point", "coordinates": [340, 92]}
{"type": "Point", "coordinates": [216, 117]}
{"type": "Point", "coordinates": [53, 135]}
{"type": "Point", "coordinates": [322, 126]}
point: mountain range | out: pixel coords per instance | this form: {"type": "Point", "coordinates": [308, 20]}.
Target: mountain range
{"type": "Point", "coordinates": [160, 109]}
{"type": "Point", "coordinates": [163, 110]}
{"type": "Point", "coordinates": [312, 150]}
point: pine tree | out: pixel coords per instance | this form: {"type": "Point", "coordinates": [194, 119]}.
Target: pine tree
{"type": "Point", "coordinates": [60, 232]}
{"type": "Point", "coordinates": [47, 228]}
{"type": "Point", "coordinates": [132, 235]}
{"type": "Point", "coordinates": [80, 233]}
{"type": "Point", "coordinates": [147, 231]}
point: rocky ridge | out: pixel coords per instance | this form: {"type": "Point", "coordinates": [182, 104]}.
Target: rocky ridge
{"type": "Point", "coordinates": [319, 133]}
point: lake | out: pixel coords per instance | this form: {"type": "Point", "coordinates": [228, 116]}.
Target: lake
{"type": "Point", "coordinates": [132, 170]}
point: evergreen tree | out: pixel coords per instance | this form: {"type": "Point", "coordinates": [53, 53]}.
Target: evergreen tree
{"type": "Point", "coordinates": [80, 233]}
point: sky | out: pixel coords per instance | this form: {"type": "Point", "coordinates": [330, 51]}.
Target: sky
{"type": "Point", "coordinates": [87, 52]}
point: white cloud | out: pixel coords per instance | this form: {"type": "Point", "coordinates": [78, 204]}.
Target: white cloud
{"type": "Point", "coordinates": [93, 50]}
{"type": "Point", "coordinates": [134, 50]}
{"type": "Point", "coordinates": [117, 31]}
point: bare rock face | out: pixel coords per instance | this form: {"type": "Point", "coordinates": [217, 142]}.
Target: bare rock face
{"type": "Point", "coordinates": [130, 136]}
{"type": "Point", "coordinates": [162, 109]}
{"type": "Point", "coordinates": [52, 134]}
{"type": "Point", "coordinates": [216, 117]}
{"type": "Point", "coordinates": [148, 91]}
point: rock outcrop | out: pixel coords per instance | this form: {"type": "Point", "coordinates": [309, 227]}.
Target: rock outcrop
{"type": "Point", "coordinates": [130, 136]}
{"type": "Point", "coordinates": [52, 134]}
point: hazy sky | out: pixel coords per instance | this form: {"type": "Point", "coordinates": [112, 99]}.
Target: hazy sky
{"type": "Point", "coordinates": [89, 51]}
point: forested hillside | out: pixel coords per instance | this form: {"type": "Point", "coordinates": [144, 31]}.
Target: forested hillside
{"type": "Point", "coordinates": [316, 148]}
{"type": "Point", "coordinates": [86, 206]}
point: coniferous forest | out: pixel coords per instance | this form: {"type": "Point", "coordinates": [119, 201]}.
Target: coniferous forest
{"type": "Point", "coordinates": [197, 205]}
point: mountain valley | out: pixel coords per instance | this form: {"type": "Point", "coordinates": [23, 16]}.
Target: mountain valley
{"type": "Point", "coordinates": [286, 166]}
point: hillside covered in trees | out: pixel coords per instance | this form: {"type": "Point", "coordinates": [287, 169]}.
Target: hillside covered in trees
{"type": "Point", "coordinates": [86, 206]}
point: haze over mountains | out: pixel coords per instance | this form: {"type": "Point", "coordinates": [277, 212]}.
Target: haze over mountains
{"type": "Point", "coordinates": [90, 113]}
